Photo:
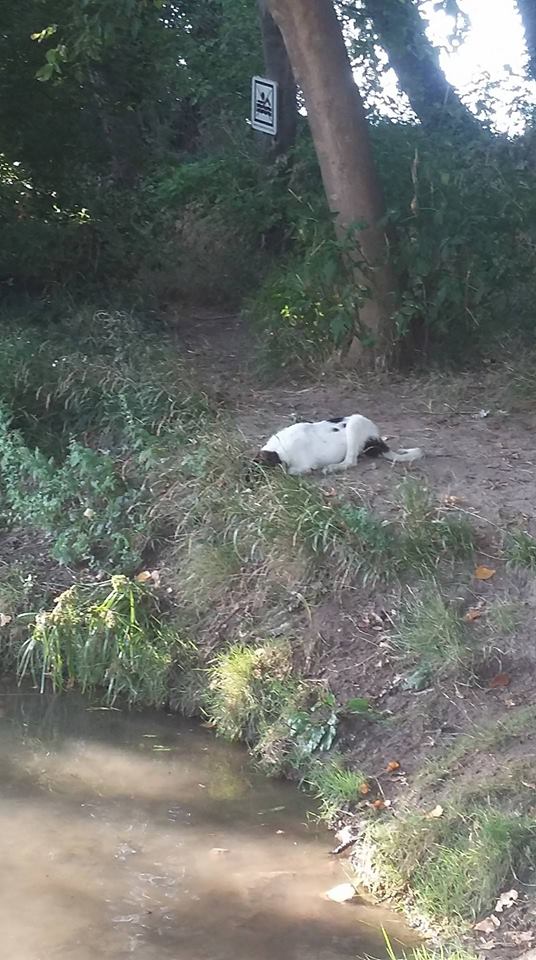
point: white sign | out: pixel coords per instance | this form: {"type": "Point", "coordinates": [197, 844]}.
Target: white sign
{"type": "Point", "coordinates": [264, 105]}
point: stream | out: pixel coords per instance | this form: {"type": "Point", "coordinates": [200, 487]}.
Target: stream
{"type": "Point", "coordinates": [139, 834]}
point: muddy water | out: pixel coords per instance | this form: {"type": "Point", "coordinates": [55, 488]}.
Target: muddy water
{"type": "Point", "coordinates": [135, 834]}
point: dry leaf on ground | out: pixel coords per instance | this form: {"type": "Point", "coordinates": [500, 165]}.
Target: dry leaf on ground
{"type": "Point", "coordinates": [5, 619]}
{"type": "Point", "coordinates": [435, 813]}
{"type": "Point", "coordinates": [472, 614]}
{"type": "Point", "coordinates": [143, 577]}
{"type": "Point", "coordinates": [393, 765]}
{"type": "Point", "coordinates": [484, 573]}
{"type": "Point", "coordinates": [500, 680]}
{"type": "Point", "coordinates": [364, 789]}
{"type": "Point", "coordinates": [488, 925]}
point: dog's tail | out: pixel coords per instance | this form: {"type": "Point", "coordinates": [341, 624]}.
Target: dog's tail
{"type": "Point", "coordinates": [403, 456]}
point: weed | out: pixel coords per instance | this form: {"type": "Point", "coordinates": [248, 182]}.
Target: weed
{"type": "Point", "coordinates": [425, 952]}
{"type": "Point", "coordinates": [249, 688]}
{"type": "Point", "coordinates": [105, 638]}
{"type": "Point", "coordinates": [335, 786]}
{"type": "Point", "coordinates": [455, 866]}
{"type": "Point", "coordinates": [432, 633]}
{"type": "Point", "coordinates": [520, 549]}
{"type": "Point", "coordinates": [426, 533]}
{"type": "Point", "coordinates": [209, 571]}
{"type": "Point", "coordinates": [504, 617]}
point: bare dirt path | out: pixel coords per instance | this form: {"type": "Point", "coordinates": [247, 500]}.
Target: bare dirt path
{"type": "Point", "coordinates": [477, 448]}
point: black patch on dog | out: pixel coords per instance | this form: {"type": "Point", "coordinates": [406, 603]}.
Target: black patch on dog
{"type": "Point", "coordinates": [268, 458]}
{"type": "Point", "coordinates": [336, 420]}
{"type": "Point", "coordinates": [374, 446]}
{"type": "Point", "coordinates": [335, 429]}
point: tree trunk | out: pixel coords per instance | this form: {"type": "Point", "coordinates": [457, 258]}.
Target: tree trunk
{"type": "Point", "coordinates": [278, 68]}
{"type": "Point", "coordinates": [527, 10]}
{"type": "Point", "coordinates": [319, 59]}
{"type": "Point", "coordinates": [415, 60]}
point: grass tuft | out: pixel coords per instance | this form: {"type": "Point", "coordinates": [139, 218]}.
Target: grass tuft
{"type": "Point", "coordinates": [520, 549]}
{"type": "Point", "coordinates": [106, 638]}
{"type": "Point", "coordinates": [433, 634]}
{"type": "Point", "coordinates": [335, 786]}
{"type": "Point", "coordinates": [455, 865]}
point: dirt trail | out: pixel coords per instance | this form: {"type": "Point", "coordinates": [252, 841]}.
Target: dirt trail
{"type": "Point", "coordinates": [487, 462]}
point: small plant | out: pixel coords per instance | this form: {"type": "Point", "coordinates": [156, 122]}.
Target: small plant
{"type": "Point", "coordinates": [425, 532]}
{"type": "Point", "coordinates": [520, 549]}
{"type": "Point", "coordinates": [108, 639]}
{"type": "Point", "coordinates": [250, 688]}
{"type": "Point", "coordinates": [455, 866]}
{"type": "Point", "coordinates": [335, 787]}
{"type": "Point", "coordinates": [432, 634]}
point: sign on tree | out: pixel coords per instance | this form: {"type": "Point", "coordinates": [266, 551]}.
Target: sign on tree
{"type": "Point", "coordinates": [264, 105]}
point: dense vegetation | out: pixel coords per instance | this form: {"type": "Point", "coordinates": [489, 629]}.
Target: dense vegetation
{"type": "Point", "coordinates": [146, 560]}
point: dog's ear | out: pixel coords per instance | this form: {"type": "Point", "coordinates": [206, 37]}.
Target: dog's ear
{"type": "Point", "coordinates": [267, 458]}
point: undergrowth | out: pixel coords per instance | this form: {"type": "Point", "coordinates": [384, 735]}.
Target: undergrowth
{"type": "Point", "coordinates": [454, 865]}
{"type": "Point", "coordinates": [106, 638]}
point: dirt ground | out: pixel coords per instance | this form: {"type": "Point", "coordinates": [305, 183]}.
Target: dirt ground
{"type": "Point", "coordinates": [480, 449]}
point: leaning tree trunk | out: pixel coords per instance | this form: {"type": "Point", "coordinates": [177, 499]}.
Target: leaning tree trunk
{"type": "Point", "coordinates": [278, 68]}
{"type": "Point", "coordinates": [527, 10]}
{"type": "Point", "coordinates": [415, 60]}
{"type": "Point", "coordinates": [319, 59]}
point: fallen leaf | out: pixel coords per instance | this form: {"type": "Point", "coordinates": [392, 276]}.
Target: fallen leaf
{"type": "Point", "coordinates": [500, 680]}
{"type": "Point", "coordinates": [519, 938]}
{"type": "Point", "coordinates": [435, 813]}
{"type": "Point", "coordinates": [393, 765]}
{"type": "Point", "coordinates": [484, 573]}
{"type": "Point", "coordinates": [5, 619]}
{"type": "Point", "coordinates": [364, 789]}
{"type": "Point", "coordinates": [143, 577]}
{"type": "Point", "coordinates": [488, 925]}
{"type": "Point", "coordinates": [472, 614]}
{"type": "Point", "coordinates": [88, 513]}
{"type": "Point", "coordinates": [378, 804]}
{"type": "Point", "coordinates": [155, 577]}
{"type": "Point", "coordinates": [506, 900]}
{"type": "Point", "coordinates": [487, 944]}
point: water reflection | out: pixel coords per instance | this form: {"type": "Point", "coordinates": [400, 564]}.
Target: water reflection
{"type": "Point", "coordinates": [134, 833]}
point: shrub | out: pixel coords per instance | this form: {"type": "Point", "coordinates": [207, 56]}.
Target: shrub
{"type": "Point", "coordinates": [106, 638]}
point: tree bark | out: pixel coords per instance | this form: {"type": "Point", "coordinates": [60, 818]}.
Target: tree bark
{"type": "Point", "coordinates": [527, 10]}
{"type": "Point", "coordinates": [278, 68]}
{"type": "Point", "coordinates": [415, 60]}
{"type": "Point", "coordinates": [319, 59]}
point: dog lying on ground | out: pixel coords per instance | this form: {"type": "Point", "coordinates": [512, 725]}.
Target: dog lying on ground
{"type": "Point", "coordinates": [330, 445]}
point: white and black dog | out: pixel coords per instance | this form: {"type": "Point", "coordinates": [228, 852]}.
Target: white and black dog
{"type": "Point", "coordinates": [329, 445]}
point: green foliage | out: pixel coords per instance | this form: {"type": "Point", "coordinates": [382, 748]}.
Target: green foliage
{"type": "Point", "coordinates": [310, 307]}
{"type": "Point", "coordinates": [94, 516]}
{"type": "Point", "coordinates": [250, 688]}
{"type": "Point", "coordinates": [432, 634]}
{"type": "Point", "coordinates": [520, 549]}
{"type": "Point", "coordinates": [108, 639]}
{"type": "Point", "coordinates": [463, 213]}
{"type": "Point", "coordinates": [335, 786]}
{"type": "Point", "coordinates": [101, 411]}
{"type": "Point", "coordinates": [456, 865]}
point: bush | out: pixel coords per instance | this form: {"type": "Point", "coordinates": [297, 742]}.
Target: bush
{"type": "Point", "coordinates": [107, 639]}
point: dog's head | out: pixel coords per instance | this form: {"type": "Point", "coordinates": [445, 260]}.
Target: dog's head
{"type": "Point", "coordinates": [263, 460]}
{"type": "Point", "coordinates": [267, 458]}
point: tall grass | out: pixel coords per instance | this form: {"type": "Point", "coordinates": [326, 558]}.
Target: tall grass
{"type": "Point", "coordinates": [107, 639]}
